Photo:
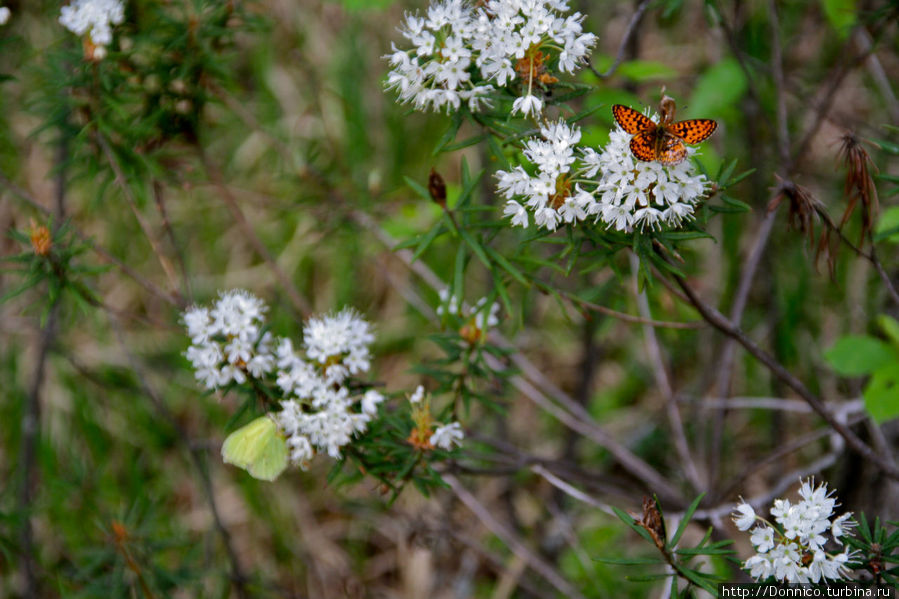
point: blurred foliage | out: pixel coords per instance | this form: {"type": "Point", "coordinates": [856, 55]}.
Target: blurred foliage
{"type": "Point", "coordinates": [282, 99]}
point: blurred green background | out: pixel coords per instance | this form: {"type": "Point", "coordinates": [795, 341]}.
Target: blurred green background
{"type": "Point", "coordinates": [288, 109]}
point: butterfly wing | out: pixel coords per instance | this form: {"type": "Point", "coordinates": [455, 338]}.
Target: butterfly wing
{"type": "Point", "coordinates": [643, 146]}
{"type": "Point", "coordinates": [272, 459]}
{"type": "Point", "coordinates": [672, 150]}
{"type": "Point", "coordinates": [242, 447]}
{"type": "Point", "coordinates": [630, 120]}
{"type": "Point", "coordinates": [693, 131]}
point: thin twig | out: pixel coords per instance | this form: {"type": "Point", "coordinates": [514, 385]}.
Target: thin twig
{"type": "Point", "coordinates": [238, 577]}
{"type": "Point", "coordinates": [728, 350]}
{"type": "Point", "coordinates": [571, 490]}
{"type": "Point", "coordinates": [159, 197]}
{"type": "Point", "coordinates": [827, 97]}
{"type": "Point", "coordinates": [622, 316]}
{"type": "Point", "coordinates": [625, 40]}
{"type": "Point", "coordinates": [718, 320]}
{"type": "Point", "coordinates": [784, 450]}
{"type": "Point", "coordinates": [300, 303]}
{"type": "Point", "coordinates": [31, 430]}
{"type": "Point", "coordinates": [31, 421]}
{"type": "Point", "coordinates": [681, 444]}
{"type": "Point", "coordinates": [570, 413]}
{"type": "Point", "coordinates": [515, 544]}
{"type": "Point", "coordinates": [144, 225]}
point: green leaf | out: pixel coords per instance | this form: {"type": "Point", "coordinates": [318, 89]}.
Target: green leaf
{"type": "Point", "coordinates": [646, 70]}
{"type": "Point", "coordinates": [840, 13]}
{"type": "Point", "coordinates": [719, 88]}
{"type": "Point", "coordinates": [450, 134]}
{"type": "Point", "coordinates": [857, 355]}
{"type": "Point", "coordinates": [882, 393]}
{"type": "Point", "coordinates": [735, 203]}
{"type": "Point", "coordinates": [632, 561]}
{"type": "Point", "coordinates": [427, 240]}
{"type": "Point", "coordinates": [507, 266]}
{"type": "Point", "coordinates": [888, 226]}
{"type": "Point", "coordinates": [685, 520]}
{"type": "Point", "coordinates": [470, 185]}
{"type": "Point", "coordinates": [418, 188]}
{"type": "Point", "coordinates": [887, 146]}
{"type": "Point", "coordinates": [890, 327]}
{"type": "Point", "coordinates": [684, 235]}
{"type": "Point", "coordinates": [629, 520]}
{"type": "Point", "coordinates": [471, 141]}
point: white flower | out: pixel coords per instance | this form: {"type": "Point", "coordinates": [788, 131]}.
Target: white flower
{"type": "Point", "coordinates": [436, 72]}
{"type": "Point", "coordinates": [370, 402]}
{"type": "Point", "coordinates": [418, 395]}
{"type": "Point", "coordinates": [762, 538]}
{"type": "Point", "coordinates": [517, 212]}
{"type": "Point", "coordinates": [842, 526]}
{"type": "Point", "coordinates": [796, 553]}
{"type": "Point", "coordinates": [744, 517]}
{"type": "Point", "coordinates": [549, 193]}
{"type": "Point", "coordinates": [93, 17]}
{"type": "Point", "coordinates": [484, 319]}
{"type": "Point", "coordinates": [527, 105]}
{"type": "Point", "coordinates": [237, 313]}
{"type": "Point", "coordinates": [5, 13]}
{"type": "Point", "coordinates": [447, 436]}
{"type": "Point", "coordinates": [197, 321]}
{"type": "Point", "coordinates": [645, 195]}
{"type": "Point", "coordinates": [759, 566]}
{"type": "Point", "coordinates": [319, 413]}
{"type": "Point", "coordinates": [345, 336]}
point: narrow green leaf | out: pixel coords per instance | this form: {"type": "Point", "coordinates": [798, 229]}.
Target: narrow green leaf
{"type": "Point", "coordinates": [890, 327]}
{"type": "Point", "coordinates": [418, 188]}
{"type": "Point", "coordinates": [427, 240]}
{"type": "Point", "coordinates": [685, 520]}
{"type": "Point", "coordinates": [507, 266]}
{"type": "Point", "coordinates": [629, 520]}
{"type": "Point", "coordinates": [450, 134]}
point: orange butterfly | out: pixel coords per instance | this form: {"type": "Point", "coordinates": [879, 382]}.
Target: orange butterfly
{"type": "Point", "coordinates": [663, 141]}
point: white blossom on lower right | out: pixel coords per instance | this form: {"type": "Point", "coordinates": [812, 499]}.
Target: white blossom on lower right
{"type": "Point", "coordinates": [795, 548]}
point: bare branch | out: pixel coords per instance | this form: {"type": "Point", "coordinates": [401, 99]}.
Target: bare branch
{"type": "Point", "coordinates": [717, 320]}
{"type": "Point", "coordinates": [515, 544]}
{"type": "Point", "coordinates": [625, 40]}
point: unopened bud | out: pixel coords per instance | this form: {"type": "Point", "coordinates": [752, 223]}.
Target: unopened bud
{"type": "Point", "coordinates": [437, 188]}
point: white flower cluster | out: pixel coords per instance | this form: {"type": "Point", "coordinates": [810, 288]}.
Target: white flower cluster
{"type": "Point", "coordinates": [644, 195]}
{"type": "Point", "coordinates": [483, 318]}
{"type": "Point", "coordinates": [628, 193]}
{"type": "Point", "coordinates": [794, 550]}
{"type": "Point", "coordinates": [227, 342]}
{"type": "Point", "coordinates": [93, 17]}
{"type": "Point", "coordinates": [554, 193]}
{"type": "Point", "coordinates": [436, 72]}
{"type": "Point", "coordinates": [5, 13]}
{"type": "Point", "coordinates": [461, 50]}
{"type": "Point", "coordinates": [318, 412]}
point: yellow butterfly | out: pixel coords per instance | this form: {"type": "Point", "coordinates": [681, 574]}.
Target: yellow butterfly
{"type": "Point", "coordinates": [258, 448]}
